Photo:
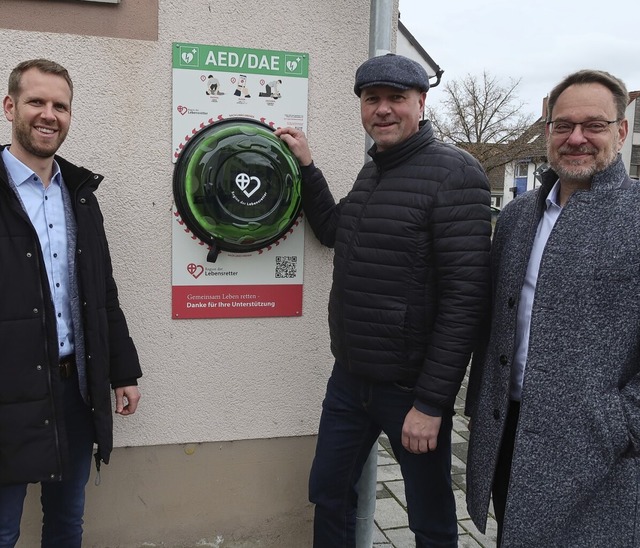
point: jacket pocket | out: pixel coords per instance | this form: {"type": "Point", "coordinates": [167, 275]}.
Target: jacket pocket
{"type": "Point", "coordinates": [28, 440]}
{"type": "Point", "coordinates": [619, 436]}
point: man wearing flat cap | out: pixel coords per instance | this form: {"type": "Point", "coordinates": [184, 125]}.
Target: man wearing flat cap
{"type": "Point", "coordinates": [410, 287]}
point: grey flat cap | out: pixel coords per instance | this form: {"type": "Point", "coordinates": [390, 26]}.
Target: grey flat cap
{"type": "Point", "coordinates": [391, 70]}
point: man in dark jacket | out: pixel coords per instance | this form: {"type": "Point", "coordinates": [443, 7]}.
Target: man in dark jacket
{"type": "Point", "coordinates": [410, 285]}
{"type": "Point", "coordinates": [63, 336]}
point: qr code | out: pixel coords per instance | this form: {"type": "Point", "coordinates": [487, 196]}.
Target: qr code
{"type": "Point", "coordinates": [286, 267]}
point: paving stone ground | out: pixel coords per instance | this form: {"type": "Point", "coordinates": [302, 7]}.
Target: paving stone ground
{"type": "Point", "coordinates": [392, 530]}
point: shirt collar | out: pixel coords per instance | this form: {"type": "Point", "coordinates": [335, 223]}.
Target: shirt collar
{"type": "Point", "coordinates": [20, 173]}
{"type": "Point", "coordinates": [552, 197]}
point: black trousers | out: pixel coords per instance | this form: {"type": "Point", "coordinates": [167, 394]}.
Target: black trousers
{"type": "Point", "coordinates": [503, 468]}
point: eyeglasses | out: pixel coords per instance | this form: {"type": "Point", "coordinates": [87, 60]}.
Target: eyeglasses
{"type": "Point", "coordinates": [590, 127]}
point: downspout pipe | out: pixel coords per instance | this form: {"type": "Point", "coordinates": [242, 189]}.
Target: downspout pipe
{"type": "Point", "coordinates": [380, 42]}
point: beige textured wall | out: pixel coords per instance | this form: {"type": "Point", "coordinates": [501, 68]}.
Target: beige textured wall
{"type": "Point", "coordinates": [237, 494]}
{"type": "Point", "coordinates": [218, 380]}
{"type": "Point", "coordinates": [215, 379]}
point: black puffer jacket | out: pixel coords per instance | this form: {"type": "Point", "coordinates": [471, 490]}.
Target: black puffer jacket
{"type": "Point", "coordinates": [411, 265]}
{"type": "Point", "coordinates": [32, 438]}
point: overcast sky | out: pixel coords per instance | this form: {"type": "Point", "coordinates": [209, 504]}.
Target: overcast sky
{"type": "Point", "coordinates": [537, 41]}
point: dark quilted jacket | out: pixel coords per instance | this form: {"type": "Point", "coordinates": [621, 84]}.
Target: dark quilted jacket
{"type": "Point", "coordinates": [411, 275]}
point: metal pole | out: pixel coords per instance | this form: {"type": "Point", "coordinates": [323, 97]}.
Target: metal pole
{"type": "Point", "coordinates": [365, 513]}
{"type": "Point", "coordinates": [380, 33]}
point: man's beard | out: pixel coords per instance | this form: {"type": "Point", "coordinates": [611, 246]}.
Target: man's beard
{"type": "Point", "coordinates": [577, 170]}
{"type": "Point", "coordinates": [23, 136]}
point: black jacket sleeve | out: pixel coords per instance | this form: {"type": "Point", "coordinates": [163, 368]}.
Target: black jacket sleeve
{"type": "Point", "coordinates": [461, 227]}
{"type": "Point", "coordinates": [319, 206]}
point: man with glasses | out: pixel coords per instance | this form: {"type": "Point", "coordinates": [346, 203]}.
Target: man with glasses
{"type": "Point", "coordinates": [554, 393]}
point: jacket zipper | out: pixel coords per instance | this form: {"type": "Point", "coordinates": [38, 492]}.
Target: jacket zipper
{"type": "Point", "coordinates": [356, 230]}
{"type": "Point", "coordinates": [39, 266]}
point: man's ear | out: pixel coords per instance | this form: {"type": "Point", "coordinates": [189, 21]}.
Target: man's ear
{"type": "Point", "coordinates": [8, 105]}
{"type": "Point", "coordinates": [623, 131]}
{"type": "Point", "coordinates": [423, 100]}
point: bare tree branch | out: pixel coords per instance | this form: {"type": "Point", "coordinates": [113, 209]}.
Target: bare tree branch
{"type": "Point", "coordinates": [484, 116]}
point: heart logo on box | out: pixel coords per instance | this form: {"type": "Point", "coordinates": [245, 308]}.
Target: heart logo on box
{"type": "Point", "coordinates": [195, 270]}
{"type": "Point", "coordinates": [244, 183]}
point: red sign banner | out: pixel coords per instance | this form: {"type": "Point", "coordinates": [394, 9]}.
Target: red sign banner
{"type": "Point", "coordinates": [236, 301]}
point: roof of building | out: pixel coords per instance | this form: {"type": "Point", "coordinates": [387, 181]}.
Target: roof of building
{"type": "Point", "coordinates": [433, 67]}
{"type": "Point", "coordinates": [533, 140]}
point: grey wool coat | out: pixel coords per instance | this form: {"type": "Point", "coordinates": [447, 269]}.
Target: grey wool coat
{"type": "Point", "coordinates": [576, 464]}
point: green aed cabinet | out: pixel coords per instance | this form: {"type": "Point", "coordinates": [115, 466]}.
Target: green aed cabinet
{"type": "Point", "coordinates": [237, 186]}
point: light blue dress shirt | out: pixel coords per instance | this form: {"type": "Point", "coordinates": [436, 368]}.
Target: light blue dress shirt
{"type": "Point", "coordinates": [45, 208]}
{"type": "Point", "coordinates": [527, 294]}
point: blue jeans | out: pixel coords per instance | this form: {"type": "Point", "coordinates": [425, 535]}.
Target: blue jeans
{"type": "Point", "coordinates": [62, 501]}
{"type": "Point", "coordinates": [354, 412]}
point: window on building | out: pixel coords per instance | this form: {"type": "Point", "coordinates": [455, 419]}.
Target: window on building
{"type": "Point", "coordinates": [634, 164]}
{"type": "Point", "coordinates": [520, 178]}
{"type": "Point", "coordinates": [522, 170]}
